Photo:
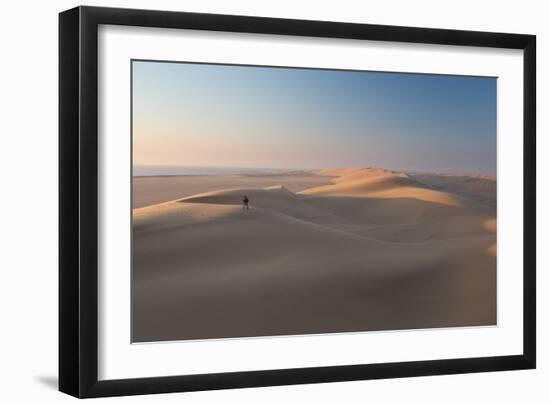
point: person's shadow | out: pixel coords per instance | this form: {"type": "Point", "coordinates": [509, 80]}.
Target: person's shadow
{"type": "Point", "coordinates": [48, 381]}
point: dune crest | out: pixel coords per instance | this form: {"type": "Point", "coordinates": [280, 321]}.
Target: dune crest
{"type": "Point", "coordinates": [234, 196]}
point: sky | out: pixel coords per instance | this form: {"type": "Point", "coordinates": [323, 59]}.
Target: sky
{"type": "Point", "coordinates": [208, 115]}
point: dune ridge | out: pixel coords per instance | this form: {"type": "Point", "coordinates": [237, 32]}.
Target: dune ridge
{"type": "Point", "coordinates": [370, 249]}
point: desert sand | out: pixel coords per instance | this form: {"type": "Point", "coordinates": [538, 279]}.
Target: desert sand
{"type": "Point", "coordinates": [156, 189]}
{"type": "Point", "coordinates": [337, 250]}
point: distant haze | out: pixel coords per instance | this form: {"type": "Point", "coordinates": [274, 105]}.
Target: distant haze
{"type": "Point", "coordinates": [153, 170]}
{"type": "Point", "coordinates": [239, 117]}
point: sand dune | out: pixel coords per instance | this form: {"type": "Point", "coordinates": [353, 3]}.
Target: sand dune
{"type": "Point", "coordinates": [369, 249]}
{"type": "Point", "coordinates": [378, 183]}
{"type": "Point", "coordinates": [152, 190]}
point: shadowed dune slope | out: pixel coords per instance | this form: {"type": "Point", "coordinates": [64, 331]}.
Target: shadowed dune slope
{"type": "Point", "coordinates": [374, 250]}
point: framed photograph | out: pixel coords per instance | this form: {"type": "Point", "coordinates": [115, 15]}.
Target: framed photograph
{"type": "Point", "coordinates": [251, 201]}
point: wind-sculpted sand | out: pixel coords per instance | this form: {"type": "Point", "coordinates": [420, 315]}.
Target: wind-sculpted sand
{"type": "Point", "coordinates": [151, 190]}
{"type": "Point", "coordinates": [354, 250]}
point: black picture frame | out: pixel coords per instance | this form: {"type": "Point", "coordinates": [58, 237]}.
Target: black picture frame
{"type": "Point", "coordinates": [78, 196]}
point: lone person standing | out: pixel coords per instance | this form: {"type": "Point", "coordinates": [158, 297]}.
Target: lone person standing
{"type": "Point", "coordinates": [245, 202]}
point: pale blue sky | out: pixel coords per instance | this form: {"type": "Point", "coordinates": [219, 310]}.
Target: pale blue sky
{"type": "Point", "coordinates": [240, 116]}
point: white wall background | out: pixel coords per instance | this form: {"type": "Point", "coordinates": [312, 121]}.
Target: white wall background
{"type": "Point", "coordinates": [28, 202]}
